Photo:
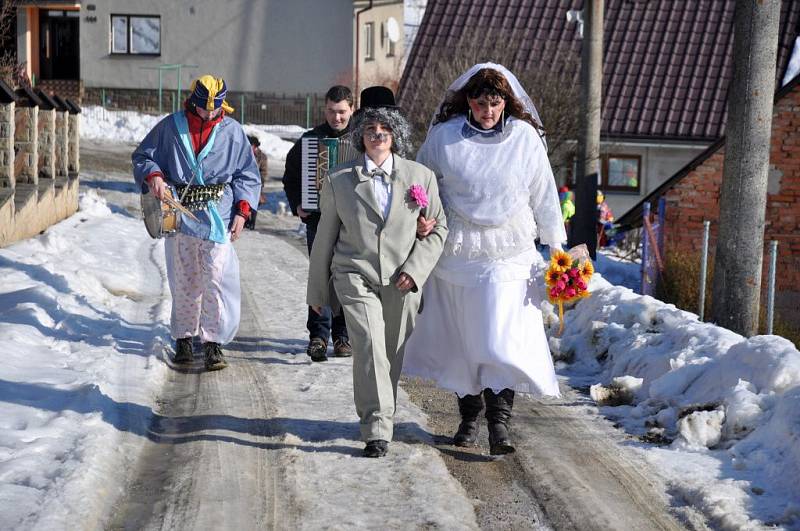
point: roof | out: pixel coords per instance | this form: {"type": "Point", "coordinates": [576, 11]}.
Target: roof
{"type": "Point", "coordinates": [47, 102]}
{"type": "Point", "coordinates": [7, 94]}
{"type": "Point", "coordinates": [633, 216]}
{"type": "Point", "coordinates": [667, 63]}
{"type": "Point", "coordinates": [61, 105]}
{"type": "Point", "coordinates": [73, 107]}
{"type": "Point", "coordinates": [27, 98]}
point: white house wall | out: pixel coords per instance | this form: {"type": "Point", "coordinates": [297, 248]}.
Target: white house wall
{"type": "Point", "coordinates": [256, 45]}
{"type": "Point", "coordinates": [382, 69]}
{"type": "Point", "coordinates": [659, 163]}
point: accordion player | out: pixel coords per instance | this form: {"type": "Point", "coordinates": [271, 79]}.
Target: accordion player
{"type": "Point", "coordinates": [318, 156]}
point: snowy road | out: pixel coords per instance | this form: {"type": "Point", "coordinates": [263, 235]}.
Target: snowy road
{"type": "Point", "coordinates": [98, 431]}
{"type": "Point", "coordinates": [272, 441]}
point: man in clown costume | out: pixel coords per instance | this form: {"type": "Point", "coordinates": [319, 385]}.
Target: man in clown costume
{"type": "Point", "coordinates": [203, 148]}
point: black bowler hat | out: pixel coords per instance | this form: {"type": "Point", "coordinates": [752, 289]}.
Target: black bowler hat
{"type": "Point", "coordinates": [377, 96]}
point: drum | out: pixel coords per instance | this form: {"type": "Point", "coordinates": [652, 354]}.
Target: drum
{"type": "Point", "coordinates": [159, 217]}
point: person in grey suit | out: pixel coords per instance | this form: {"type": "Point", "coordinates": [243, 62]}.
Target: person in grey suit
{"type": "Point", "coordinates": [367, 259]}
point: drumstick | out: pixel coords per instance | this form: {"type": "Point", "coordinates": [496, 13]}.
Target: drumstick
{"type": "Point", "coordinates": [176, 205]}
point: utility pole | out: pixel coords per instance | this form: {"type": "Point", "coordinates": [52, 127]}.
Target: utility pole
{"type": "Point", "coordinates": [736, 287]}
{"type": "Point", "coordinates": [583, 228]}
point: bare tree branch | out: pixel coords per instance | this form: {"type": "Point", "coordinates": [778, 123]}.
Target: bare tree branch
{"type": "Point", "coordinates": [8, 58]}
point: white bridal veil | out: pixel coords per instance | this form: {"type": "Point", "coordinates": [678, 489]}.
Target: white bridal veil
{"type": "Point", "coordinates": [516, 87]}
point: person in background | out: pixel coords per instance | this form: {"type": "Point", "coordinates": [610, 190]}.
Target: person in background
{"type": "Point", "coordinates": [321, 326]}
{"type": "Point", "coordinates": [263, 164]}
{"type": "Point", "coordinates": [202, 148]}
{"type": "Point", "coordinates": [566, 197]}
{"type": "Point", "coordinates": [605, 220]}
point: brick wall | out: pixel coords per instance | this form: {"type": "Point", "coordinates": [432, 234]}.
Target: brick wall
{"type": "Point", "coordinates": [7, 120]}
{"type": "Point", "coordinates": [66, 88]}
{"type": "Point", "coordinates": [695, 198]}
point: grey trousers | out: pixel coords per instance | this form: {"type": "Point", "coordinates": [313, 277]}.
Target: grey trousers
{"type": "Point", "coordinates": [379, 320]}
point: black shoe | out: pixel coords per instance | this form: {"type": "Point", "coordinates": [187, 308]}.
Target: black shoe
{"type": "Point", "coordinates": [183, 350]}
{"type": "Point", "coordinates": [376, 448]}
{"type": "Point", "coordinates": [214, 358]}
{"type": "Point", "coordinates": [342, 348]}
{"type": "Point", "coordinates": [317, 349]}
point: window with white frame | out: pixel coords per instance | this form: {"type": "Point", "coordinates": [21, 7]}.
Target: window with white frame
{"type": "Point", "coordinates": [136, 34]}
{"type": "Point", "coordinates": [369, 41]}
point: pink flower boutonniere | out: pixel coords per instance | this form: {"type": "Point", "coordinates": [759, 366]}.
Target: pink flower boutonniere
{"type": "Point", "coordinates": [418, 195]}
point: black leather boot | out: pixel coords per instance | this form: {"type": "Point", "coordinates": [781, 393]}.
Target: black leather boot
{"type": "Point", "coordinates": [183, 350]}
{"type": "Point", "coordinates": [470, 407]}
{"type": "Point", "coordinates": [214, 358]}
{"type": "Point", "coordinates": [498, 416]}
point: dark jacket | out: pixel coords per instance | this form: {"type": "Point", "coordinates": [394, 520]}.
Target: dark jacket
{"type": "Point", "coordinates": [291, 175]}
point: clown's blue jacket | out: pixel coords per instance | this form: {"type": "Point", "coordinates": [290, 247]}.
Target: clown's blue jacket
{"type": "Point", "coordinates": [226, 158]}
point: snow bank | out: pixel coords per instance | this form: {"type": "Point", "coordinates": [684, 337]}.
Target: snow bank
{"type": "Point", "coordinates": [102, 125]}
{"type": "Point", "coordinates": [98, 123]}
{"type": "Point", "coordinates": [271, 144]}
{"type": "Point", "coordinates": [72, 331]}
{"type": "Point", "coordinates": [703, 390]}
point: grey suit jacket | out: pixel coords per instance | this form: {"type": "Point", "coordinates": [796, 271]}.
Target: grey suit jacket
{"type": "Point", "coordinates": [352, 236]}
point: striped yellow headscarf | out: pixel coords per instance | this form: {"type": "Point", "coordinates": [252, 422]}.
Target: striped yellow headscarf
{"type": "Point", "coordinates": [208, 92]}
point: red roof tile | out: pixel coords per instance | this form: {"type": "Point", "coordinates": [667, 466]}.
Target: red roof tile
{"type": "Point", "coordinates": [667, 63]}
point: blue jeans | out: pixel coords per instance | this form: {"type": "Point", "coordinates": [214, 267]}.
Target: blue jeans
{"type": "Point", "coordinates": [327, 324]}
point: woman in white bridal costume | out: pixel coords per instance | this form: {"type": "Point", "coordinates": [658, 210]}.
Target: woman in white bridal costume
{"type": "Point", "coordinates": [481, 330]}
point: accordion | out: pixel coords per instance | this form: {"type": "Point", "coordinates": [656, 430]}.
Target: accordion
{"type": "Point", "coordinates": [318, 155]}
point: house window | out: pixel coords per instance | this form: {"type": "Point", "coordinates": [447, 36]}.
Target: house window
{"type": "Point", "coordinates": [135, 35]}
{"type": "Point", "coordinates": [386, 42]}
{"type": "Point", "coordinates": [369, 41]}
{"type": "Point", "coordinates": [621, 173]}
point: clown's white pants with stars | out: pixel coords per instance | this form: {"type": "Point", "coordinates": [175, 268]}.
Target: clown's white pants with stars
{"type": "Point", "coordinates": [204, 282]}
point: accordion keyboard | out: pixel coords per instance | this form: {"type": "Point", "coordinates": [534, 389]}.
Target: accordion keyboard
{"type": "Point", "coordinates": [309, 198]}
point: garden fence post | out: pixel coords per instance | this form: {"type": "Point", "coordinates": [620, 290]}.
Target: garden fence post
{"type": "Point", "coordinates": [160, 87]}
{"type": "Point", "coordinates": [701, 303]}
{"type": "Point", "coordinates": [645, 247]}
{"type": "Point", "coordinates": [773, 260]}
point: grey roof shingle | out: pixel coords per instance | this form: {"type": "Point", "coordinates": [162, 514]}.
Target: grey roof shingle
{"type": "Point", "coordinates": [667, 63]}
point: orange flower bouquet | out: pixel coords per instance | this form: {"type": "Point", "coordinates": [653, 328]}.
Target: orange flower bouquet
{"type": "Point", "coordinates": [568, 277]}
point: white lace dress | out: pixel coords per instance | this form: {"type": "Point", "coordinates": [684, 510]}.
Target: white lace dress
{"type": "Point", "coordinates": [480, 324]}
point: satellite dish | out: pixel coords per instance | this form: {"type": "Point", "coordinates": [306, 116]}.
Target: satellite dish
{"type": "Point", "coordinates": [392, 30]}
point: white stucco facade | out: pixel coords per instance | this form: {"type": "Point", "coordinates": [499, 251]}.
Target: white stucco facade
{"type": "Point", "coordinates": [256, 45]}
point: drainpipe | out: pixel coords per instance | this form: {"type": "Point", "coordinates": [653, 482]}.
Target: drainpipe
{"type": "Point", "coordinates": [358, 43]}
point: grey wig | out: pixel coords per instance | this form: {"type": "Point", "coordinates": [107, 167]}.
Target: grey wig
{"type": "Point", "coordinates": [388, 117]}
